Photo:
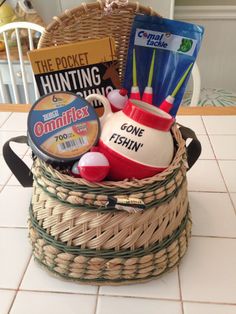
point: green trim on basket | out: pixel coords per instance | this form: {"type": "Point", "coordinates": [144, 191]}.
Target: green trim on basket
{"type": "Point", "coordinates": [93, 208]}
{"type": "Point", "coordinates": [110, 190]}
{"type": "Point", "coordinates": [140, 252]}
{"type": "Point", "coordinates": [106, 280]}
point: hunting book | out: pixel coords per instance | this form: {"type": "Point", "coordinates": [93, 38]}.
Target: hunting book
{"type": "Point", "coordinates": [82, 68]}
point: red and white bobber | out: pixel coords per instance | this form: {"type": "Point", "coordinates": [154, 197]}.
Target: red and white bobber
{"type": "Point", "coordinates": [75, 170]}
{"type": "Point", "coordinates": [93, 166]}
{"type": "Point", "coordinates": [117, 99]}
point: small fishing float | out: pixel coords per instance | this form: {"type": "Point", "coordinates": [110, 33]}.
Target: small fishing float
{"type": "Point", "coordinates": [75, 170]}
{"type": "Point", "coordinates": [148, 91]}
{"type": "Point", "coordinates": [135, 94]}
{"type": "Point", "coordinates": [167, 104]}
{"type": "Point", "coordinates": [117, 99]}
{"type": "Point", "coordinates": [93, 166]}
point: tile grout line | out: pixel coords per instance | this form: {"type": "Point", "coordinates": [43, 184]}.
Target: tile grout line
{"type": "Point", "coordinates": [96, 302]}
{"type": "Point", "coordinates": [217, 161]}
{"type": "Point", "coordinates": [57, 292]}
{"type": "Point", "coordinates": [13, 300]}
{"type": "Point", "coordinates": [209, 302]}
{"type": "Point", "coordinates": [137, 297]}
{"type": "Point", "coordinates": [6, 185]}
{"type": "Point", "coordinates": [7, 289]}
{"type": "Point", "coordinates": [215, 134]}
{"type": "Point", "coordinates": [6, 120]}
{"type": "Point", "coordinates": [12, 227]}
{"type": "Point", "coordinates": [220, 159]}
{"type": "Point", "coordinates": [212, 192]}
{"type": "Point", "coordinates": [161, 299]}
{"type": "Point", "coordinates": [180, 291]}
{"type": "Point", "coordinates": [212, 237]}
{"type": "Point", "coordinates": [122, 296]}
{"type": "Point", "coordinates": [18, 288]}
{"type": "Point", "coordinates": [12, 174]}
{"type": "Point", "coordinates": [3, 186]}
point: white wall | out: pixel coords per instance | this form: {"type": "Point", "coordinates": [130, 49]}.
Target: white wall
{"type": "Point", "coordinates": [47, 9]}
{"type": "Point", "coordinates": [217, 57]}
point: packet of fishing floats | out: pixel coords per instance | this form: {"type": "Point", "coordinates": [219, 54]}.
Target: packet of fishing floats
{"type": "Point", "coordinates": [160, 59]}
{"type": "Point", "coordinates": [84, 68]}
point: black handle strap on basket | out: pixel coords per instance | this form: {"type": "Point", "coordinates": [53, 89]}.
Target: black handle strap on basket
{"type": "Point", "coordinates": [15, 163]}
{"type": "Point", "coordinates": [194, 148]}
{"type": "Point", "coordinates": [24, 175]}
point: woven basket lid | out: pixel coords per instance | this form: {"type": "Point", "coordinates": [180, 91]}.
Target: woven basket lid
{"type": "Point", "coordinates": [89, 21]}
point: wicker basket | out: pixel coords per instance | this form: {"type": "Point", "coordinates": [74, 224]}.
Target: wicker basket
{"type": "Point", "coordinates": [74, 233]}
{"type": "Point", "coordinates": [72, 230]}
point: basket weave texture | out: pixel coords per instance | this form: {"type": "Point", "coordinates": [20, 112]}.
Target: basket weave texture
{"type": "Point", "coordinates": [88, 21]}
{"type": "Point", "coordinates": [76, 235]}
{"type": "Point", "coordinates": [72, 230]}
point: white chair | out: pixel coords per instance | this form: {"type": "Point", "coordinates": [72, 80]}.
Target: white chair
{"type": "Point", "coordinates": [166, 9]}
{"type": "Point", "coordinates": [16, 75]}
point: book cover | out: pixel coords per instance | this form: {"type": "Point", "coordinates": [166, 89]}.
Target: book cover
{"type": "Point", "coordinates": [82, 68]}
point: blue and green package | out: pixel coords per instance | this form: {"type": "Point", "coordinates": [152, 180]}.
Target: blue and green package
{"type": "Point", "coordinates": [177, 45]}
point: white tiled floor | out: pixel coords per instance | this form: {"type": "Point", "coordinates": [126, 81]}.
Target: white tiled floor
{"type": "Point", "coordinates": [205, 282]}
{"type": "Point", "coordinates": [42, 302]}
